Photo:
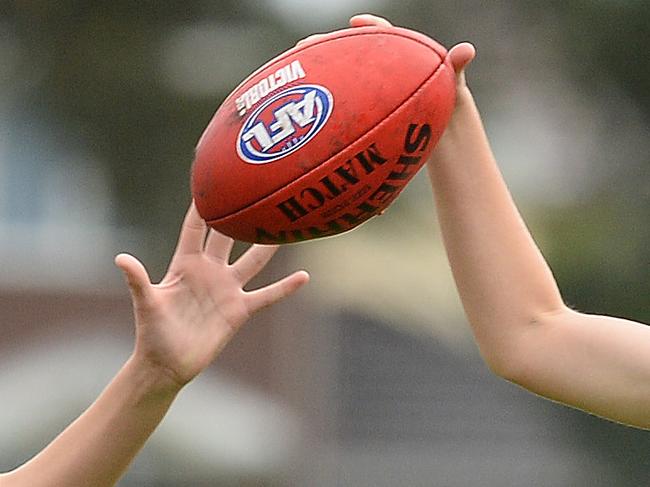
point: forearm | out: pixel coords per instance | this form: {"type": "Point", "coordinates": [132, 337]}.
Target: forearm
{"type": "Point", "coordinates": [524, 330]}
{"type": "Point", "coordinates": [504, 283]}
{"type": "Point", "coordinates": [97, 448]}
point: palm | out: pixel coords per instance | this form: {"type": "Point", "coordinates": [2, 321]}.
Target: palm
{"type": "Point", "coordinates": [184, 321]}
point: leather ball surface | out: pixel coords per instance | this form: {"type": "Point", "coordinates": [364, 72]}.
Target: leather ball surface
{"type": "Point", "coordinates": [324, 136]}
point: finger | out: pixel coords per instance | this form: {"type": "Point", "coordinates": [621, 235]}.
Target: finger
{"type": "Point", "coordinates": [367, 20]}
{"type": "Point", "coordinates": [310, 39]}
{"type": "Point", "coordinates": [253, 261]}
{"type": "Point", "coordinates": [192, 234]}
{"type": "Point", "coordinates": [271, 294]}
{"type": "Point", "coordinates": [361, 20]}
{"type": "Point", "coordinates": [136, 276]}
{"type": "Point", "coordinates": [218, 246]}
{"type": "Point", "coordinates": [461, 55]}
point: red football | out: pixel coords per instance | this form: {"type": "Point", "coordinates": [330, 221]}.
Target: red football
{"type": "Point", "coordinates": [324, 136]}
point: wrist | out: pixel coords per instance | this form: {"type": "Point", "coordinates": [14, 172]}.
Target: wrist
{"type": "Point", "coordinates": [154, 380]}
{"type": "Point", "coordinates": [460, 126]}
{"type": "Point", "coordinates": [464, 143]}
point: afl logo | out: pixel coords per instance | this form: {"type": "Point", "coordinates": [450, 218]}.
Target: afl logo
{"type": "Point", "coordinates": [284, 123]}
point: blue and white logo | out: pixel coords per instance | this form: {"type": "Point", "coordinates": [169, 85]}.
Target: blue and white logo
{"type": "Point", "coordinates": [284, 123]}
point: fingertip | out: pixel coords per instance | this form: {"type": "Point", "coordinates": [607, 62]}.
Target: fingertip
{"type": "Point", "coordinates": [121, 260]}
{"type": "Point", "coordinates": [468, 49]}
{"type": "Point", "coordinates": [356, 20]}
{"type": "Point", "coordinates": [135, 274]}
{"type": "Point", "coordinates": [308, 39]}
{"type": "Point", "coordinates": [365, 20]}
{"type": "Point", "coordinates": [295, 281]}
{"type": "Point", "coordinates": [461, 55]}
{"type": "Point", "coordinates": [129, 264]}
{"type": "Point", "coordinates": [303, 277]}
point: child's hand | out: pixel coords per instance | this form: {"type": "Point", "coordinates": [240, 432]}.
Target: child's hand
{"type": "Point", "coordinates": [460, 55]}
{"type": "Point", "coordinates": [183, 322]}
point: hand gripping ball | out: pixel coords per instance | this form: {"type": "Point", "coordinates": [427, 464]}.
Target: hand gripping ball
{"type": "Point", "coordinates": [324, 136]}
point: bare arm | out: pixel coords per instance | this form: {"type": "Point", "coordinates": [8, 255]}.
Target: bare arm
{"type": "Point", "coordinates": [524, 331]}
{"type": "Point", "coordinates": [97, 448]}
{"type": "Point", "coordinates": [182, 324]}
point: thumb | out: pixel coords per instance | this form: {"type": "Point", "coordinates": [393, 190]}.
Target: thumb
{"type": "Point", "coordinates": [460, 56]}
{"type": "Point", "coordinates": [136, 276]}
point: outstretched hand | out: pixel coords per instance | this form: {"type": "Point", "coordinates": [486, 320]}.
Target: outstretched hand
{"type": "Point", "coordinates": [183, 322]}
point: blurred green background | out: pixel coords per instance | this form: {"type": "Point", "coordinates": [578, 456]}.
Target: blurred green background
{"type": "Point", "coordinates": [101, 104]}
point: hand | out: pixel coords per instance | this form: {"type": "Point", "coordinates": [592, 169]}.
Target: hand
{"type": "Point", "coordinates": [183, 322]}
{"type": "Point", "coordinates": [460, 55]}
